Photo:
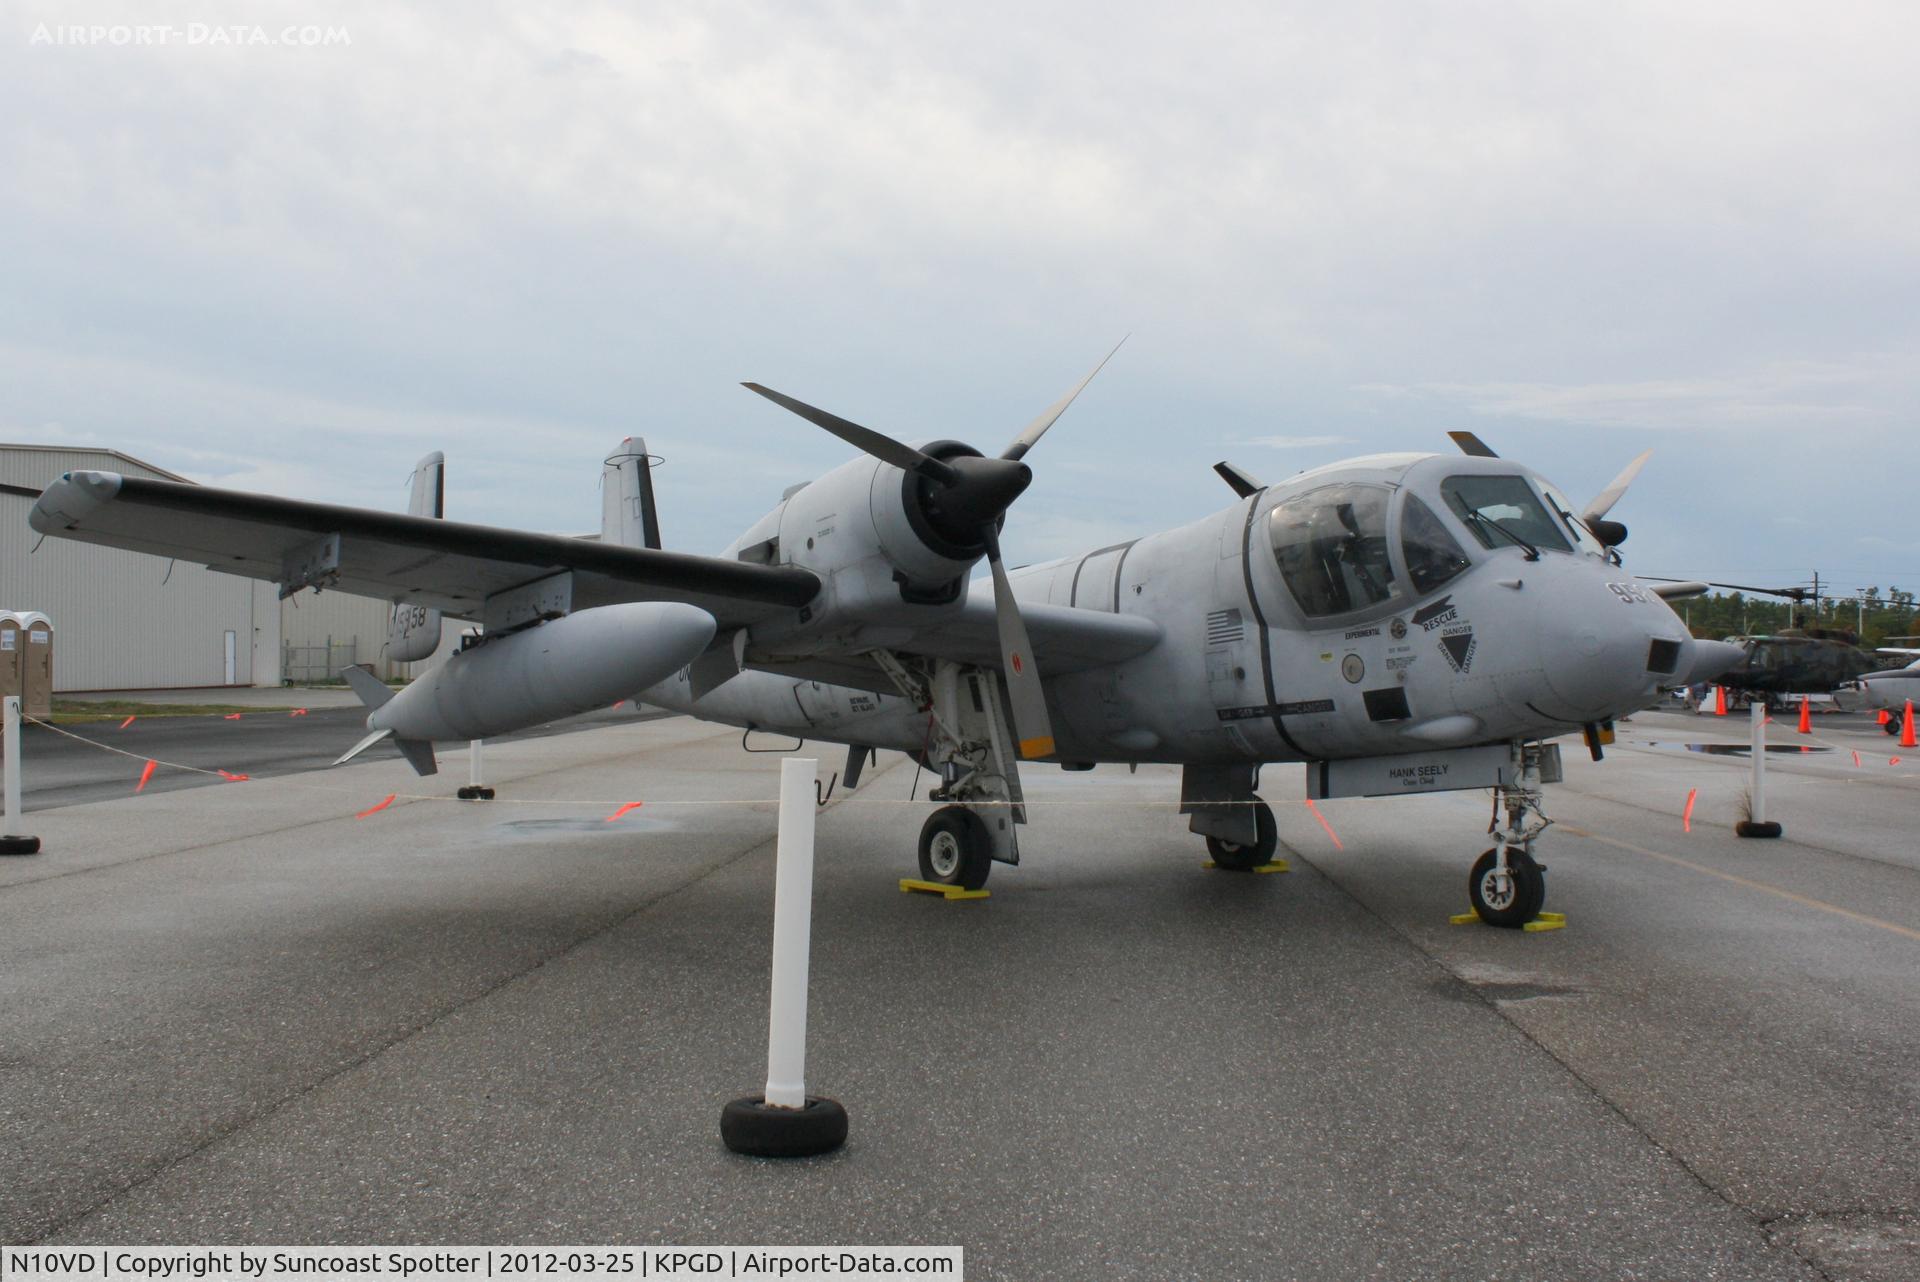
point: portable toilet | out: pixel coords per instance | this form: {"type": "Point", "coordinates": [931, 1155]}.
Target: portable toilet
{"type": "Point", "coordinates": [36, 675]}
{"type": "Point", "coordinates": [13, 654]}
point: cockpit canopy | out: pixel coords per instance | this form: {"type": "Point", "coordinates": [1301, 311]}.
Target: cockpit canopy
{"type": "Point", "coordinates": [1335, 543]}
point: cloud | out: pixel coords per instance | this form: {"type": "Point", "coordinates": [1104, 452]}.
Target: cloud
{"type": "Point", "coordinates": [1792, 394]}
{"type": "Point", "coordinates": [1296, 442]}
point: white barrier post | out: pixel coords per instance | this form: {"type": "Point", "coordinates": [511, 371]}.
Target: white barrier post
{"type": "Point", "coordinates": [792, 935]}
{"type": "Point", "coordinates": [784, 1121]}
{"type": "Point", "coordinates": [11, 844]}
{"type": "Point", "coordinates": [475, 790]}
{"type": "Point", "coordinates": [1756, 825]}
{"type": "Point", "coordinates": [13, 758]}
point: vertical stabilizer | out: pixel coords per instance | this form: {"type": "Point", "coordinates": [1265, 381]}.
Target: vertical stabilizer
{"type": "Point", "coordinates": [413, 631]}
{"type": "Point", "coordinates": [627, 513]}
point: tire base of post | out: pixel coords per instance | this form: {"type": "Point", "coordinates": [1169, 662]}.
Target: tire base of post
{"type": "Point", "coordinates": [1748, 828]}
{"type": "Point", "coordinates": [470, 792]}
{"type": "Point", "coordinates": [11, 845]}
{"type": "Point", "coordinates": [752, 1127]}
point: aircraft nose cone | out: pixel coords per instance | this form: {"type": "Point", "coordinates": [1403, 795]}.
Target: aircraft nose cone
{"type": "Point", "coordinates": [1610, 650]}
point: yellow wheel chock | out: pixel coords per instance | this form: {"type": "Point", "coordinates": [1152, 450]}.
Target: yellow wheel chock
{"type": "Point", "coordinates": [1278, 865]}
{"type": "Point", "coordinates": [914, 884]}
{"type": "Point", "coordinates": [1545, 921]}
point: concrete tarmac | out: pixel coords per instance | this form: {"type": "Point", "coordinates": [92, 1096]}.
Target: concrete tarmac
{"type": "Point", "coordinates": [241, 1014]}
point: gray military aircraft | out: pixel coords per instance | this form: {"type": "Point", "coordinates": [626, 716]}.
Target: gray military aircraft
{"type": "Point", "coordinates": [1400, 623]}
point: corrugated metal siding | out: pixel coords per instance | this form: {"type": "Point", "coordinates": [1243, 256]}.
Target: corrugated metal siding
{"type": "Point", "coordinates": [121, 621]}
{"type": "Point", "coordinates": [313, 618]}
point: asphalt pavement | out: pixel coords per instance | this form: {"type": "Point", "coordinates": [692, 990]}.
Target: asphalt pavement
{"type": "Point", "coordinates": [242, 1014]}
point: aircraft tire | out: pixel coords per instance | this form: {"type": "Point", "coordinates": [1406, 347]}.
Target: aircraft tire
{"type": "Point", "coordinates": [755, 1128]}
{"type": "Point", "coordinates": [19, 845]}
{"type": "Point", "coordinates": [1238, 858]}
{"type": "Point", "coordinates": [1522, 905]}
{"type": "Point", "coordinates": [1893, 726]}
{"type": "Point", "coordinates": [955, 848]}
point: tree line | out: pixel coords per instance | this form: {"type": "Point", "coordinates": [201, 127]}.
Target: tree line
{"type": "Point", "coordinates": [1875, 615]}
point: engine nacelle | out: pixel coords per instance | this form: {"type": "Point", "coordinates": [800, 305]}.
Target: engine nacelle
{"type": "Point", "coordinates": [556, 669]}
{"type": "Point", "coordinates": [866, 510]}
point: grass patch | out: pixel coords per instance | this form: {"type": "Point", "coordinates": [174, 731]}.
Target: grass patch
{"type": "Point", "coordinates": [72, 711]}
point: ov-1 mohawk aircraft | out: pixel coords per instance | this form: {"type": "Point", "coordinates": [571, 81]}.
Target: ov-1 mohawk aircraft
{"type": "Point", "coordinates": [1401, 623]}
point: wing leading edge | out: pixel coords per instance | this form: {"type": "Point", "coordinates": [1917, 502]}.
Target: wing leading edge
{"type": "Point", "coordinates": [449, 565]}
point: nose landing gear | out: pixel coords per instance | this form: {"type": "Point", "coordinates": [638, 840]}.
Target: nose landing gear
{"type": "Point", "coordinates": [955, 848]}
{"type": "Point", "coordinates": [1507, 886]}
{"type": "Point", "coordinates": [1245, 857]}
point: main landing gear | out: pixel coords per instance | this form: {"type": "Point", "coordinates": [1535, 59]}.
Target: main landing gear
{"type": "Point", "coordinates": [970, 747]}
{"type": "Point", "coordinates": [1507, 886]}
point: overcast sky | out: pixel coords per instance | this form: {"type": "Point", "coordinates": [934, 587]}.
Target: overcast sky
{"type": "Point", "coordinates": [518, 233]}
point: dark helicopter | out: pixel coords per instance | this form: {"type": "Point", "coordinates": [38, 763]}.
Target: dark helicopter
{"type": "Point", "coordinates": [1803, 659]}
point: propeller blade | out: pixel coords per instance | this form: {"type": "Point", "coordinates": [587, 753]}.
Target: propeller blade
{"type": "Point", "coordinates": [1471, 445]}
{"type": "Point", "coordinates": [1030, 435]}
{"type": "Point", "coordinates": [1031, 725]}
{"type": "Point", "coordinates": [864, 439]}
{"type": "Point", "coordinates": [1238, 480]}
{"type": "Point", "coordinates": [1603, 501]}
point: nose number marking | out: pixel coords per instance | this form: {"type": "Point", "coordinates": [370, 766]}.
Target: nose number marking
{"type": "Point", "coordinates": [1631, 593]}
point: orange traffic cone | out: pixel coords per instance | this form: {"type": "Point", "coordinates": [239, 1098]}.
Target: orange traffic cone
{"type": "Point", "coordinates": [1883, 717]}
{"type": "Point", "coordinates": [1906, 728]}
{"type": "Point", "coordinates": [1719, 701]}
{"type": "Point", "coordinates": [1806, 715]}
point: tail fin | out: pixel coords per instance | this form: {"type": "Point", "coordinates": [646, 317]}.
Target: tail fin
{"type": "Point", "coordinates": [413, 631]}
{"type": "Point", "coordinates": [627, 512]}
{"type": "Point", "coordinates": [372, 690]}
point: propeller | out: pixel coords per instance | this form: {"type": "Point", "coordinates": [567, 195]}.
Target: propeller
{"type": "Point", "coordinates": [1603, 501]}
{"type": "Point", "coordinates": [963, 497]}
{"type": "Point", "coordinates": [1471, 445]}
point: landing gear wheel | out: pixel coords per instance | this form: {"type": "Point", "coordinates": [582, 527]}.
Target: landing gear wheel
{"type": "Point", "coordinates": [1514, 903]}
{"type": "Point", "coordinates": [1239, 858]}
{"type": "Point", "coordinates": [955, 848]}
{"type": "Point", "coordinates": [1892, 726]}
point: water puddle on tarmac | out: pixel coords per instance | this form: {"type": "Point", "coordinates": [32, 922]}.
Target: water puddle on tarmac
{"type": "Point", "coordinates": [1742, 749]}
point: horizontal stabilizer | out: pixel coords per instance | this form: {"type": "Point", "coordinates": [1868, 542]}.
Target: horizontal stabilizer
{"type": "Point", "coordinates": [418, 752]}
{"type": "Point", "coordinates": [361, 747]}
{"type": "Point", "coordinates": [419, 755]}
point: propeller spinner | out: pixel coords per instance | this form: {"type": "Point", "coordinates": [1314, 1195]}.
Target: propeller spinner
{"type": "Point", "coordinates": [965, 496]}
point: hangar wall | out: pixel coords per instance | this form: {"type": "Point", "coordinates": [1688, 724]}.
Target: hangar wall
{"type": "Point", "coordinates": [124, 620]}
{"type": "Point", "coordinates": [128, 621]}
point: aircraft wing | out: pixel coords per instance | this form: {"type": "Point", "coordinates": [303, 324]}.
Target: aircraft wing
{"type": "Point", "coordinates": [448, 565]}
{"type": "Point", "coordinates": [1065, 638]}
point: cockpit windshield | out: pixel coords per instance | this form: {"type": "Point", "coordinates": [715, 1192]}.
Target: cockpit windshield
{"type": "Point", "coordinates": [1331, 544]}
{"type": "Point", "coordinates": [1503, 511]}
{"type": "Point", "coordinates": [1433, 557]}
